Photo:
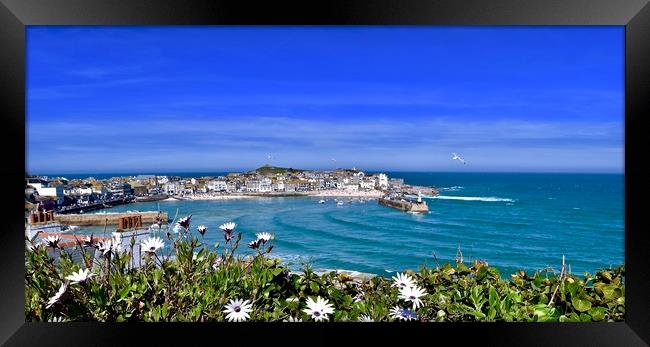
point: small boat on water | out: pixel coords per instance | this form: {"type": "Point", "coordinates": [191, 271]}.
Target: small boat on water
{"type": "Point", "coordinates": [321, 201]}
{"type": "Point", "coordinates": [340, 203]}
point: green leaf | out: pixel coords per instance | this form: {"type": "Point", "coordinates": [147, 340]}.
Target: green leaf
{"type": "Point", "coordinates": [493, 298]}
{"type": "Point", "coordinates": [124, 292]}
{"type": "Point", "coordinates": [572, 318]}
{"type": "Point", "coordinates": [492, 312]}
{"type": "Point", "coordinates": [461, 268]}
{"type": "Point", "coordinates": [611, 292]}
{"type": "Point", "coordinates": [581, 305]}
{"type": "Point", "coordinates": [314, 287]}
{"type": "Point", "coordinates": [478, 314]}
{"type": "Point", "coordinates": [540, 310]}
{"type": "Point", "coordinates": [597, 313]}
{"type": "Point", "coordinates": [481, 274]}
{"type": "Point", "coordinates": [165, 308]}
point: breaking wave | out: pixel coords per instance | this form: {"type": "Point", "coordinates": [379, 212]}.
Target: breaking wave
{"type": "Point", "coordinates": [450, 189]}
{"type": "Point", "coordinates": [470, 198]}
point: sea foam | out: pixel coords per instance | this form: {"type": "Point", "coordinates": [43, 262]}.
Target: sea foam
{"type": "Point", "coordinates": [470, 198]}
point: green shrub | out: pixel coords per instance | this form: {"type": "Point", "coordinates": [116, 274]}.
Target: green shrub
{"type": "Point", "coordinates": [195, 282]}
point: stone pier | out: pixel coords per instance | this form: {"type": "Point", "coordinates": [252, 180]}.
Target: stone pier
{"type": "Point", "coordinates": [99, 219]}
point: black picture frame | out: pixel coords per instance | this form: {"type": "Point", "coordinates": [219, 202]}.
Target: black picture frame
{"type": "Point", "coordinates": [16, 14]}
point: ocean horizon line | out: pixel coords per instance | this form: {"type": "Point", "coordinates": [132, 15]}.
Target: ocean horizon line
{"type": "Point", "coordinates": [207, 172]}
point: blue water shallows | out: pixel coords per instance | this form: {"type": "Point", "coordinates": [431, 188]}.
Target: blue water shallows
{"type": "Point", "coordinates": [513, 221]}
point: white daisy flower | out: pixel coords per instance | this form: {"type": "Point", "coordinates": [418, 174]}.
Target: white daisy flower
{"type": "Point", "coordinates": [185, 222]}
{"type": "Point", "coordinates": [319, 309]}
{"type": "Point", "coordinates": [412, 294]}
{"type": "Point", "coordinates": [80, 276]}
{"type": "Point", "coordinates": [202, 229]}
{"type": "Point", "coordinates": [254, 244]}
{"type": "Point", "coordinates": [117, 238]}
{"type": "Point", "coordinates": [88, 240]}
{"type": "Point", "coordinates": [53, 241]}
{"type": "Point", "coordinates": [230, 226]}
{"type": "Point", "coordinates": [152, 244]}
{"type": "Point", "coordinates": [359, 297]}
{"type": "Point", "coordinates": [263, 237]}
{"type": "Point", "coordinates": [33, 247]}
{"type": "Point", "coordinates": [237, 310]}
{"type": "Point", "coordinates": [227, 230]}
{"type": "Point", "coordinates": [57, 319]}
{"type": "Point", "coordinates": [104, 246]}
{"type": "Point", "coordinates": [365, 318]}
{"type": "Point", "coordinates": [291, 319]}
{"type": "Point", "coordinates": [403, 280]}
{"type": "Point", "coordinates": [108, 246]}
{"type": "Point", "coordinates": [402, 314]}
{"type": "Point", "coordinates": [53, 300]}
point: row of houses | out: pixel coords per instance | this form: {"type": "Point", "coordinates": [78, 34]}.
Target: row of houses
{"type": "Point", "coordinates": [88, 189]}
{"type": "Point", "coordinates": [247, 183]}
{"type": "Point", "coordinates": [61, 192]}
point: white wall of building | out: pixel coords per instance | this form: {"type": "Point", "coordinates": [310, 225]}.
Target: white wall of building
{"type": "Point", "coordinates": [382, 181]}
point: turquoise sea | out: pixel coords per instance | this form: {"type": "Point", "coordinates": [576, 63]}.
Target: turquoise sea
{"type": "Point", "coordinates": [512, 220]}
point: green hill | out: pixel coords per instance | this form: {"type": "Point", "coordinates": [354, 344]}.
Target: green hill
{"type": "Point", "coordinates": [268, 169]}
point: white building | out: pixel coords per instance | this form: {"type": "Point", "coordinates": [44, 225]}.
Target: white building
{"type": "Point", "coordinates": [217, 186]}
{"type": "Point", "coordinates": [54, 192]}
{"type": "Point", "coordinates": [352, 187]}
{"type": "Point", "coordinates": [367, 184]}
{"type": "Point", "coordinates": [278, 186]}
{"type": "Point", "coordinates": [37, 183]}
{"type": "Point", "coordinates": [82, 191]}
{"type": "Point", "coordinates": [266, 185]}
{"type": "Point", "coordinates": [253, 186]}
{"type": "Point", "coordinates": [172, 188]}
{"type": "Point", "coordinates": [382, 181]}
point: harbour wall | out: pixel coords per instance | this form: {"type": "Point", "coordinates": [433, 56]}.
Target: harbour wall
{"type": "Point", "coordinates": [148, 217]}
{"type": "Point", "coordinates": [406, 206]}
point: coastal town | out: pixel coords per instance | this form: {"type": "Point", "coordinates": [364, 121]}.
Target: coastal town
{"type": "Point", "coordinates": [63, 195]}
{"type": "Point", "coordinates": [56, 206]}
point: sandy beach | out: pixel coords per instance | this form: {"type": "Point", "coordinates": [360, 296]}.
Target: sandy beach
{"type": "Point", "coordinates": [212, 197]}
{"type": "Point", "coordinates": [322, 193]}
{"type": "Point", "coordinates": [344, 193]}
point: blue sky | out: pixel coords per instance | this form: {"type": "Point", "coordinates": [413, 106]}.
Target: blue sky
{"type": "Point", "coordinates": [147, 99]}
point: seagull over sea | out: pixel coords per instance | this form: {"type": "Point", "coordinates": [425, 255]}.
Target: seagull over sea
{"type": "Point", "coordinates": [458, 157]}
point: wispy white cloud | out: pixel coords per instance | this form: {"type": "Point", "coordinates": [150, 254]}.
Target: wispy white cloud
{"type": "Point", "coordinates": [77, 90]}
{"type": "Point", "coordinates": [414, 144]}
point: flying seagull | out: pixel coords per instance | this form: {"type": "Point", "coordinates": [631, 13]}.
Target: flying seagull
{"type": "Point", "coordinates": [458, 157]}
